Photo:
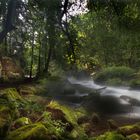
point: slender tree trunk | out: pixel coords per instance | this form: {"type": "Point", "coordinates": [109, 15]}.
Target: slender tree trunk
{"type": "Point", "coordinates": [10, 19]}
{"type": "Point", "coordinates": [48, 59]}
{"type": "Point", "coordinates": [51, 41]}
{"type": "Point", "coordinates": [32, 56]}
{"type": "Point", "coordinates": [71, 51]}
{"type": "Point", "coordinates": [45, 58]}
{"type": "Point", "coordinates": [39, 59]}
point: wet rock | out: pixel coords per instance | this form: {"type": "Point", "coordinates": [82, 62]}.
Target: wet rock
{"type": "Point", "coordinates": [27, 90]}
{"type": "Point", "coordinates": [112, 124]}
{"type": "Point", "coordinates": [68, 88]}
{"type": "Point", "coordinates": [83, 119]}
{"type": "Point", "coordinates": [133, 137]}
{"type": "Point", "coordinates": [95, 119]}
{"type": "Point", "coordinates": [130, 129]}
{"type": "Point", "coordinates": [130, 100]}
{"type": "Point", "coordinates": [10, 70]}
{"type": "Point", "coordinates": [57, 114]}
{"type": "Point", "coordinates": [88, 128]}
{"type": "Point", "coordinates": [82, 89]}
{"type": "Point", "coordinates": [71, 115]}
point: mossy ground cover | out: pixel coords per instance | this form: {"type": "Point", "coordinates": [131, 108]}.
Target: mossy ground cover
{"type": "Point", "coordinates": [33, 117]}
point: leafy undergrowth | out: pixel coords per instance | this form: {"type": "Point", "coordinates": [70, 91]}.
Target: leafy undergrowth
{"type": "Point", "coordinates": [32, 117]}
{"type": "Point", "coordinates": [115, 76]}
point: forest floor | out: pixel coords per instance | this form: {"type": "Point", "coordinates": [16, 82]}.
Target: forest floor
{"type": "Point", "coordinates": [32, 103]}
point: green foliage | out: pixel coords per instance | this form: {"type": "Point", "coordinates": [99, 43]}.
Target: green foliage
{"type": "Point", "coordinates": [129, 129]}
{"type": "Point", "coordinates": [133, 137]}
{"type": "Point", "coordinates": [22, 122]}
{"type": "Point", "coordinates": [53, 126]}
{"type": "Point", "coordinates": [115, 82]}
{"type": "Point", "coordinates": [115, 74]}
{"type": "Point", "coordinates": [71, 117]}
{"type": "Point", "coordinates": [110, 136]}
{"type": "Point", "coordinates": [34, 131]}
{"type": "Point", "coordinates": [135, 84]}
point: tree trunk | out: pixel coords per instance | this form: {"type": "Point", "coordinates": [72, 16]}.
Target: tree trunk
{"type": "Point", "coordinates": [39, 59]}
{"type": "Point", "coordinates": [51, 41]}
{"type": "Point", "coordinates": [32, 56]}
{"type": "Point", "coordinates": [10, 19]}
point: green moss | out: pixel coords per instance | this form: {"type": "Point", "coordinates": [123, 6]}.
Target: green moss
{"type": "Point", "coordinates": [11, 95]}
{"type": "Point", "coordinates": [70, 114]}
{"type": "Point", "coordinates": [4, 109]}
{"type": "Point", "coordinates": [130, 129]}
{"type": "Point", "coordinates": [45, 130]}
{"type": "Point", "coordinates": [133, 137]}
{"type": "Point", "coordinates": [110, 136]}
{"type": "Point", "coordinates": [27, 89]}
{"type": "Point", "coordinates": [5, 116]}
{"type": "Point", "coordinates": [4, 124]}
{"type": "Point", "coordinates": [35, 131]}
{"type": "Point", "coordinates": [78, 133]}
{"type": "Point", "coordinates": [22, 121]}
{"type": "Point", "coordinates": [12, 99]}
{"type": "Point", "coordinates": [54, 126]}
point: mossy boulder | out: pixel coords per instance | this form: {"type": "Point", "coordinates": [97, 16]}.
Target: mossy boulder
{"type": "Point", "coordinates": [133, 137]}
{"type": "Point", "coordinates": [10, 70]}
{"type": "Point", "coordinates": [130, 129]}
{"type": "Point", "coordinates": [110, 136]}
{"type": "Point", "coordinates": [83, 119]}
{"type": "Point", "coordinates": [69, 118]}
{"type": "Point", "coordinates": [27, 90]}
{"type": "Point", "coordinates": [95, 118]}
{"type": "Point", "coordinates": [58, 114]}
{"type": "Point", "coordinates": [30, 132]}
{"type": "Point", "coordinates": [78, 134]}
{"type": "Point", "coordinates": [112, 124]}
{"type": "Point", "coordinates": [21, 122]}
{"type": "Point", "coordinates": [70, 114]}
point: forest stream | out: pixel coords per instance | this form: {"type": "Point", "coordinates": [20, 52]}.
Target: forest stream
{"type": "Point", "coordinates": [118, 101]}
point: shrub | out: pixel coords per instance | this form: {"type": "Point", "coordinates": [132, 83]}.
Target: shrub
{"type": "Point", "coordinates": [114, 82]}
{"type": "Point", "coordinates": [135, 84]}
{"type": "Point", "coordinates": [123, 73]}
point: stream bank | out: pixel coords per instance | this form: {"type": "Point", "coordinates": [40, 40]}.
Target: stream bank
{"type": "Point", "coordinates": [33, 111]}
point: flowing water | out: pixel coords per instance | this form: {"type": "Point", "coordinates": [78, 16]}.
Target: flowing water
{"type": "Point", "coordinates": [125, 96]}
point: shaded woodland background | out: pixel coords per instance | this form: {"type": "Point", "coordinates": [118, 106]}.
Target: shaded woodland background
{"type": "Point", "coordinates": [43, 34]}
